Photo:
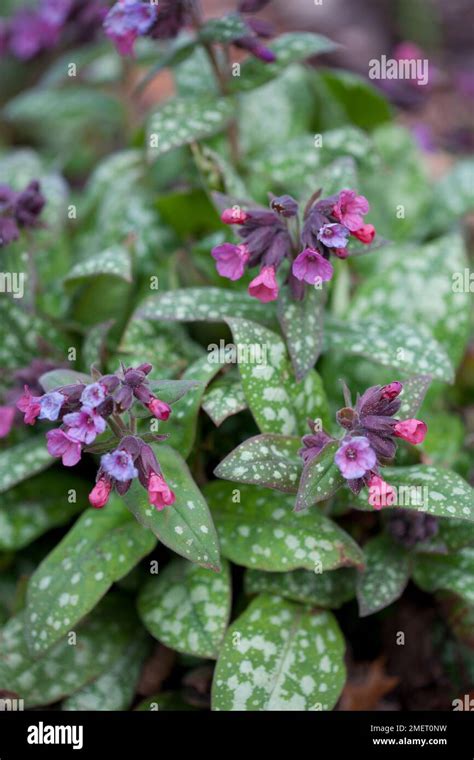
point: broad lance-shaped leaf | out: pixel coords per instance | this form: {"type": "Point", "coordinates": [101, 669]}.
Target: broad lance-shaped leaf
{"type": "Point", "coordinates": [183, 120]}
{"type": "Point", "coordinates": [37, 505]}
{"type": "Point", "coordinates": [259, 530]}
{"type": "Point", "coordinates": [183, 421]}
{"type": "Point", "coordinates": [58, 377]}
{"type": "Point", "coordinates": [266, 460]}
{"type": "Point", "coordinates": [278, 404]}
{"type": "Point", "coordinates": [113, 262]}
{"type": "Point", "coordinates": [114, 689]}
{"type": "Point", "coordinates": [392, 344]}
{"type": "Point", "coordinates": [187, 607]}
{"type": "Point", "coordinates": [280, 656]}
{"type": "Point", "coordinates": [68, 666]}
{"type": "Point", "coordinates": [103, 546]}
{"type": "Point", "coordinates": [454, 572]}
{"type": "Point", "coordinates": [414, 391]}
{"type": "Point", "coordinates": [302, 325]}
{"type": "Point", "coordinates": [186, 527]}
{"type": "Point", "coordinates": [203, 305]}
{"type": "Point", "coordinates": [224, 399]}
{"type": "Point", "coordinates": [321, 478]}
{"type": "Point", "coordinates": [330, 589]}
{"type": "Point", "coordinates": [19, 331]}
{"type": "Point", "coordinates": [288, 48]}
{"type": "Point", "coordinates": [23, 461]}
{"type": "Point", "coordinates": [224, 29]}
{"type": "Point", "coordinates": [425, 488]}
{"type": "Point", "coordinates": [385, 576]}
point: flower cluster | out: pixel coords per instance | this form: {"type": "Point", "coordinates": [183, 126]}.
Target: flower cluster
{"type": "Point", "coordinates": [369, 442]}
{"type": "Point", "coordinates": [16, 381]}
{"type": "Point", "coordinates": [410, 528]}
{"type": "Point", "coordinates": [129, 19]}
{"type": "Point", "coordinates": [272, 236]}
{"type": "Point", "coordinates": [32, 31]}
{"type": "Point", "coordinates": [85, 410]}
{"type": "Point", "coordinates": [19, 210]}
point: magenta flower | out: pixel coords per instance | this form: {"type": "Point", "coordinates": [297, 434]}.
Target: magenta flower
{"type": "Point", "coordinates": [160, 494]}
{"type": "Point", "coordinates": [392, 390]}
{"type": "Point", "coordinates": [159, 409]}
{"type": "Point", "coordinates": [50, 406]}
{"type": "Point", "coordinates": [127, 20]}
{"type": "Point", "coordinates": [84, 426]}
{"type": "Point", "coordinates": [99, 495]}
{"type": "Point", "coordinates": [234, 215]}
{"type": "Point", "coordinates": [61, 445]}
{"type": "Point", "coordinates": [29, 405]}
{"type": "Point", "coordinates": [7, 414]}
{"type": "Point", "coordinates": [333, 235]}
{"type": "Point", "coordinates": [231, 260]}
{"type": "Point", "coordinates": [119, 465]}
{"type": "Point", "coordinates": [355, 457]}
{"type": "Point", "coordinates": [350, 208]}
{"type": "Point", "coordinates": [381, 493]}
{"type": "Point", "coordinates": [311, 267]}
{"type": "Point", "coordinates": [93, 395]}
{"type": "Point", "coordinates": [365, 234]}
{"type": "Point", "coordinates": [264, 286]}
{"type": "Point", "coordinates": [413, 431]}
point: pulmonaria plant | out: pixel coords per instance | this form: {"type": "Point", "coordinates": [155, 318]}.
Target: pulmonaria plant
{"type": "Point", "coordinates": [271, 237]}
{"type": "Point", "coordinates": [19, 211]}
{"type": "Point", "coordinates": [369, 442]}
{"type": "Point", "coordinates": [85, 411]}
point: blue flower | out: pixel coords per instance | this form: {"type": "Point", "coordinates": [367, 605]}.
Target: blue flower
{"type": "Point", "coordinates": [119, 465]}
{"type": "Point", "coordinates": [50, 405]}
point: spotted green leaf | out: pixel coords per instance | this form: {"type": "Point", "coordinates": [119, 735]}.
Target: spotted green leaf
{"type": "Point", "coordinates": [38, 504]}
{"type": "Point", "coordinates": [329, 589]}
{"type": "Point", "coordinates": [187, 607]}
{"type": "Point", "coordinates": [418, 284]}
{"type": "Point", "coordinates": [278, 404]}
{"type": "Point", "coordinates": [453, 195]}
{"type": "Point", "coordinates": [186, 527]}
{"type": "Point", "coordinates": [113, 262]}
{"type": "Point", "coordinates": [425, 488]}
{"type": "Point", "coordinates": [453, 572]}
{"type": "Point", "coordinates": [88, 651]}
{"type": "Point", "coordinates": [224, 29]}
{"type": "Point", "coordinates": [414, 391]}
{"type": "Point", "coordinates": [302, 326]}
{"type": "Point", "coordinates": [268, 460]}
{"type": "Point", "coordinates": [59, 377]}
{"type": "Point", "coordinates": [320, 479]}
{"type": "Point", "coordinates": [280, 656]}
{"type": "Point", "coordinates": [289, 48]}
{"type": "Point", "coordinates": [160, 343]}
{"type": "Point", "coordinates": [452, 535]}
{"type": "Point", "coordinates": [23, 461]}
{"type": "Point", "coordinates": [201, 304]}
{"type": "Point", "coordinates": [23, 334]}
{"type": "Point", "coordinates": [386, 574]}
{"type": "Point", "coordinates": [183, 120]}
{"type": "Point", "coordinates": [103, 546]}
{"type": "Point", "coordinates": [259, 530]}
{"type": "Point", "coordinates": [224, 398]}
{"type": "Point", "coordinates": [392, 344]}
{"type": "Point", "coordinates": [114, 689]}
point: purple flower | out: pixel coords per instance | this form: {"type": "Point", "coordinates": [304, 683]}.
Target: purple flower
{"type": "Point", "coordinates": [119, 465]}
{"type": "Point", "coordinates": [333, 235]}
{"type": "Point", "coordinates": [8, 231]}
{"type": "Point", "coordinates": [127, 20]}
{"type": "Point", "coordinates": [93, 395]}
{"type": "Point", "coordinates": [171, 17]}
{"type": "Point", "coordinates": [311, 267]}
{"type": "Point", "coordinates": [355, 457]}
{"type": "Point", "coordinates": [29, 34]}
{"type": "Point", "coordinates": [50, 405]}
{"type": "Point", "coordinates": [313, 443]}
{"type": "Point", "coordinates": [284, 205]}
{"type": "Point", "coordinates": [252, 6]}
{"type": "Point", "coordinates": [29, 205]}
{"type": "Point", "coordinates": [85, 425]}
{"type": "Point", "coordinates": [231, 260]}
{"type": "Point", "coordinates": [61, 445]}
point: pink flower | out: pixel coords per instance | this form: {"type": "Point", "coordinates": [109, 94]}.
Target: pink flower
{"type": "Point", "coordinates": [159, 409]}
{"type": "Point", "coordinates": [99, 495]}
{"type": "Point", "coordinates": [234, 215]}
{"type": "Point", "coordinates": [350, 208]}
{"type": "Point", "coordinates": [413, 431]}
{"type": "Point", "coordinates": [264, 286]}
{"type": "Point", "coordinates": [85, 425]}
{"type": "Point", "coordinates": [60, 444]}
{"type": "Point", "coordinates": [381, 494]}
{"type": "Point", "coordinates": [355, 457]}
{"type": "Point", "coordinates": [7, 414]}
{"type": "Point", "coordinates": [30, 405]}
{"type": "Point", "coordinates": [160, 494]}
{"type": "Point", "coordinates": [311, 267]}
{"type": "Point", "coordinates": [231, 260]}
{"type": "Point", "coordinates": [365, 234]}
{"type": "Point", "coordinates": [392, 390]}
{"type": "Point", "coordinates": [341, 253]}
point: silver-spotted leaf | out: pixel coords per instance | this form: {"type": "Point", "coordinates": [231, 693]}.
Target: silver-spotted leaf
{"type": "Point", "coordinates": [267, 460]}
{"type": "Point", "coordinates": [330, 589]}
{"type": "Point", "coordinates": [386, 574]}
{"type": "Point", "coordinates": [321, 478]}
